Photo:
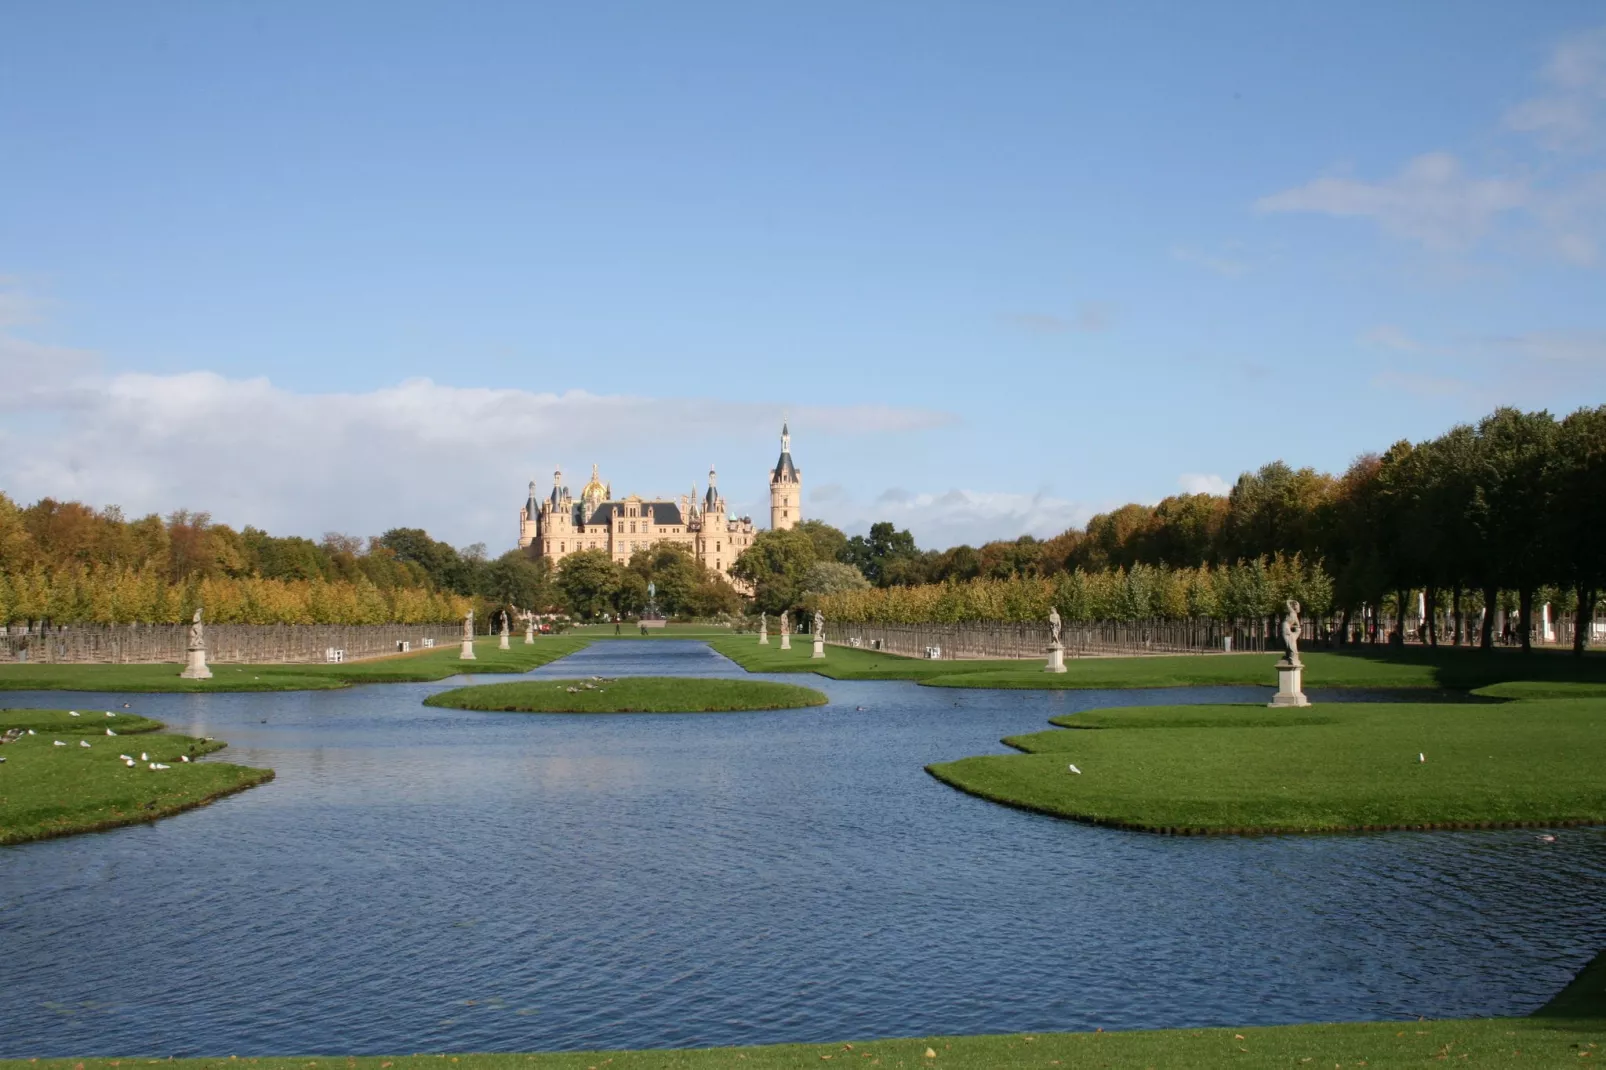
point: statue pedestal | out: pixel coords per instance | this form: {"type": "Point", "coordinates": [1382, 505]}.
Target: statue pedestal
{"type": "Point", "coordinates": [529, 634]}
{"type": "Point", "coordinates": [1056, 658]}
{"type": "Point", "coordinates": [503, 645]}
{"type": "Point", "coordinates": [763, 637]}
{"type": "Point", "coordinates": [195, 667]}
{"type": "Point", "coordinates": [467, 653]}
{"type": "Point", "coordinates": [1289, 690]}
{"type": "Point", "coordinates": [786, 640]}
{"type": "Point", "coordinates": [819, 647]}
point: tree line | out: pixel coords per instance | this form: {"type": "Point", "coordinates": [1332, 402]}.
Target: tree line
{"type": "Point", "coordinates": [1503, 514]}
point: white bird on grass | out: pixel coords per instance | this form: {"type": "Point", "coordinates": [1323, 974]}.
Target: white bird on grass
{"type": "Point", "coordinates": [31, 732]}
{"type": "Point", "coordinates": [83, 743]}
{"type": "Point", "coordinates": [125, 757]}
{"type": "Point", "coordinates": [129, 763]}
{"type": "Point", "coordinates": [144, 757]}
{"type": "Point", "coordinates": [1421, 757]}
{"type": "Point", "coordinates": [1073, 769]}
{"type": "Point", "coordinates": [59, 743]}
{"type": "Point", "coordinates": [109, 732]}
{"type": "Point", "coordinates": [158, 765]}
{"type": "Point", "coordinates": [72, 713]}
{"type": "Point", "coordinates": [109, 713]}
{"type": "Point", "coordinates": [183, 757]}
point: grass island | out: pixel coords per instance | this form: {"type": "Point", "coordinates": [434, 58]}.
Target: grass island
{"type": "Point", "coordinates": [63, 774]}
{"type": "Point", "coordinates": [632, 694]}
{"type": "Point", "coordinates": [1331, 767]}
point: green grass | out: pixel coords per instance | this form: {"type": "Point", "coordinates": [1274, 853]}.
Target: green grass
{"type": "Point", "coordinates": [1446, 668]}
{"type": "Point", "coordinates": [1330, 767]}
{"type": "Point", "coordinates": [417, 667]}
{"type": "Point", "coordinates": [635, 694]}
{"type": "Point", "coordinates": [844, 662]}
{"type": "Point", "coordinates": [48, 791]}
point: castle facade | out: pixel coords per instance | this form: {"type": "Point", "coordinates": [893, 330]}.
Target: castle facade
{"type": "Point", "coordinates": [558, 525]}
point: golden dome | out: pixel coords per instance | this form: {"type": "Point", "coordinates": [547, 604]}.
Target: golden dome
{"type": "Point", "coordinates": [594, 489]}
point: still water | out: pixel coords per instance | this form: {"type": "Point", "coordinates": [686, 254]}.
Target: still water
{"type": "Point", "coordinates": [424, 880]}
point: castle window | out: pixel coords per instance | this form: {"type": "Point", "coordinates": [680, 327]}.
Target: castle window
{"type": "Point", "coordinates": [561, 546]}
{"type": "Point", "coordinates": [632, 527]}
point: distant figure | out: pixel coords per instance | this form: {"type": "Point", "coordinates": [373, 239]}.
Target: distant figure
{"type": "Point", "coordinates": [1290, 631]}
{"type": "Point", "coordinates": [615, 627]}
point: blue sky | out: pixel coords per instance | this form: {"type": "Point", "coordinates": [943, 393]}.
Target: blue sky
{"type": "Point", "coordinates": [342, 267]}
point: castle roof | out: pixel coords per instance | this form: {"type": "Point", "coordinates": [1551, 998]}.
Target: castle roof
{"type": "Point", "coordinates": [659, 512]}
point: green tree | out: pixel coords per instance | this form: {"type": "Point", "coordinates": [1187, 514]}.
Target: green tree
{"type": "Point", "coordinates": [872, 555]}
{"type": "Point", "coordinates": [775, 566]}
{"type": "Point", "coordinates": [589, 580]}
{"type": "Point", "coordinates": [1578, 513]}
{"type": "Point", "coordinates": [829, 543]}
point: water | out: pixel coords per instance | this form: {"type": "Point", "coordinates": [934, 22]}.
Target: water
{"type": "Point", "coordinates": [426, 880]}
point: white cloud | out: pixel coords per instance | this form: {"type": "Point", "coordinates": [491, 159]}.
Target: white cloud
{"type": "Point", "coordinates": [1387, 336]}
{"type": "Point", "coordinates": [1568, 115]}
{"type": "Point", "coordinates": [1229, 266]}
{"type": "Point", "coordinates": [1203, 483]}
{"type": "Point", "coordinates": [1430, 200]}
{"type": "Point", "coordinates": [452, 459]}
{"type": "Point", "coordinates": [1089, 316]}
{"type": "Point", "coordinates": [941, 520]}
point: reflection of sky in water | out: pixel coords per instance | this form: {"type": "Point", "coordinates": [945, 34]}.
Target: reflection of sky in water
{"type": "Point", "coordinates": [424, 880]}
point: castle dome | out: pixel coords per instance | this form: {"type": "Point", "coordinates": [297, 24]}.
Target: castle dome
{"type": "Point", "coordinates": [595, 488]}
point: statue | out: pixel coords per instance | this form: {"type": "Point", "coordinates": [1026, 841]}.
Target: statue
{"type": "Point", "coordinates": [1053, 626]}
{"type": "Point", "coordinates": [819, 624]}
{"type": "Point", "coordinates": [195, 654]}
{"type": "Point", "coordinates": [786, 631]}
{"type": "Point", "coordinates": [1290, 631]}
{"type": "Point", "coordinates": [764, 629]}
{"type": "Point", "coordinates": [468, 626]}
{"type": "Point", "coordinates": [1056, 650]}
{"type": "Point", "coordinates": [1290, 670]}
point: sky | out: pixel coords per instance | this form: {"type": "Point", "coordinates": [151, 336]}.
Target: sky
{"type": "Point", "coordinates": [346, 267]}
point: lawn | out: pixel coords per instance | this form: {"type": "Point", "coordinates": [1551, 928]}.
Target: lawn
{"type": "Point", "coordinates": [1328, 767]}
{"type": "Point", "coordinates": [421, 666]}
{"type": "Point", "coordinates": [48, 790]}
{"type": "Point", "coordinates": [1571, 1026]}
{"type": "Point", "coordinates": [1416, 667]}
{"type": "Point", "coordinates": [635, 694]}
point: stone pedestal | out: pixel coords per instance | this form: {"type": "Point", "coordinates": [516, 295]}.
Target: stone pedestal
{"type": "Point", "coordinates": [1056, 658]}
{"type": "Point", "coordinates": [503, 645]}
{"type": "Point", "coordinates": [529, 634]}
{"type": "Point", "coordinates": [763, 637]}
{"type": "Point", "coordinates": [1289, 689]}
{"type": "Point", "coordinates": [195, 667]}
{"type": "Point", "coordinates": [819, 647]}
{"type": "Point", "coordinates": [786, 640]}
{"type": "Point", "coordinates": [467, 653]}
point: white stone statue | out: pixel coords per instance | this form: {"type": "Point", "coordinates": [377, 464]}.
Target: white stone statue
{"type": "Point", "coordinates": [819, 624]}
{"type": "Point", "coordinates": [786, 624]}
{"type": "Point", "coordinates": [1053, 626]}
{"type": "Point", "coordinates": [467, 651]}
{"type": "Point", "coordinates": [1290, 630]}
{"type": "Point", "coordinates": [195, 653]}
{"type": "Point", "coordinates": [763, 629]}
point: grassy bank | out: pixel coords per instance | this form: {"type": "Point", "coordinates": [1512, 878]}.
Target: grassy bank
{"type": "Point", "coordinates": [1444, 668]}
{"type": "Point", "coordinates": [636, 694]}
{"type": "Point", "coordinates": [422, 666]}
{"type": "Point", "coordinates": [1331, 767]}
{"type": "Point", "coordinates": [1571, 1026]}
{"type": "Point", "coordinates": [48, 790]}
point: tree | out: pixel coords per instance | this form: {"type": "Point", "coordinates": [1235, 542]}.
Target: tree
{"type": "Point", "coordinates": [589, 579]}
{"type": "Point", "coordinates": [833, 577]}
{"type": "Point", "coordinates": [1515, 449]}
{"type": "Point", "coordinates": [872, 555]}
{"type": "Point", "coordinates": [516, 580]}
{"type": "Point", "coordinates": [829, 543]}
{"type": "Point", "coordinates": [775, 565]}
{"type": "Point", "coordinates": [1578, 513]}
{"type": "Point", "coordinates": [673, 571]}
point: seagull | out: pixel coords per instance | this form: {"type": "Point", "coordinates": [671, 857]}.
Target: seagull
{"type": "Point", "coordinates": [109, 732]}
{"type": "Point", "coordinates": [125, 705]}
{"type": "Point", "coordinates": [1421, 757]}
{"type": "Point", "coordinates": [84, 743]}
{"type": "Point", "coordinates": [31, 732]}
{"type": "Point", "coordinates": [59, 743]}
{"type": "Point", "coordinates": [1545, 837]}
{"type": "Point", "coordinates": [129, 762]}
{"type": "Point", "coordinates": [144, 757]}
{"type": "Point", "coordinates": [158, 765]}
{"type": "Point", "coordinates": [72, 713]}
{"type": "Point", "coordinates": [125, 757]}
{"type": "Point", "coordinates": [109, 713]}
{"type": "Point", "coordinates": [859, 708]}
{"type": "Point", "coordinates": [11, 736]}
{"type": "Point", "coordinates": [1073, 769]}
{"type": "Point", "coordinates": [183, 757]}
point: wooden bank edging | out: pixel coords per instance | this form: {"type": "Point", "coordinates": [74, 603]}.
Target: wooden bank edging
{"type": "Point", "coordinates": [1256, 830]}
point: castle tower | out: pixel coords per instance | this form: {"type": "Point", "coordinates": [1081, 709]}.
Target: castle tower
{"type": "Point", "coordinates": [786, 487]}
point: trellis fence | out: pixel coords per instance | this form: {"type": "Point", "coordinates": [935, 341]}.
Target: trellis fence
{"type": "Point", "coordinates": [256, 644]}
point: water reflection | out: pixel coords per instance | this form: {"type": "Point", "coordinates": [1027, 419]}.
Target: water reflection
{"type": "Point", "coordinates": [423, 880]}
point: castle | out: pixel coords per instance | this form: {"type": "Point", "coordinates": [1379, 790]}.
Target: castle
{"type": "Point", "coordinates": [557, 525]}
